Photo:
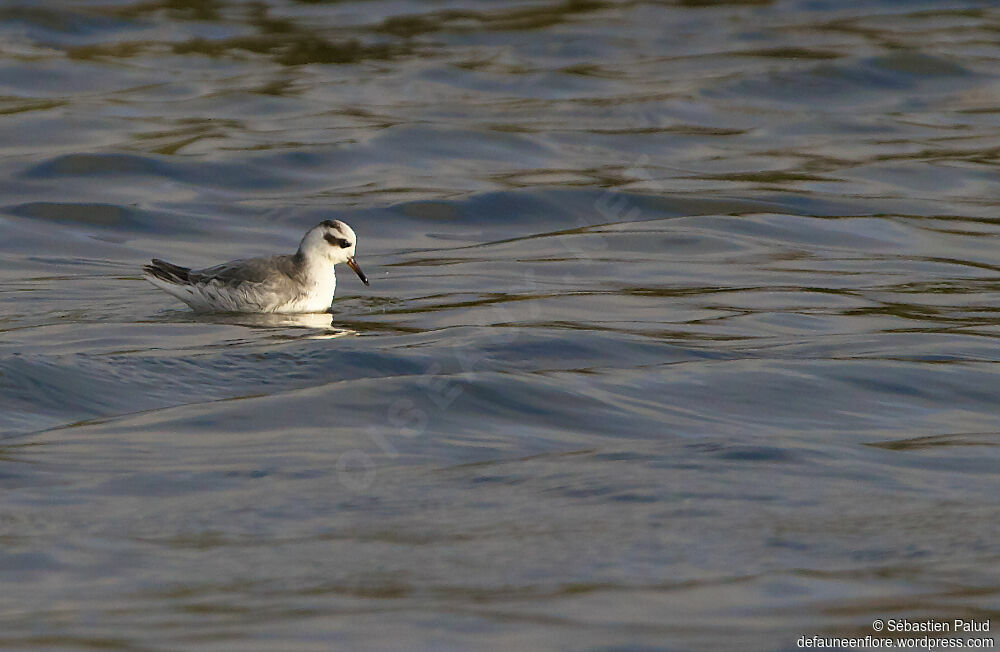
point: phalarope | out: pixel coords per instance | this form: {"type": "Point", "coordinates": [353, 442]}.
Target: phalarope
{"type": "Point", "coordinates": [302, 282]}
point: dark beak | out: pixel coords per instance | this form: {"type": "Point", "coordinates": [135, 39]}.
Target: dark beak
{"type": "Point", "coordinates": [353, 264]}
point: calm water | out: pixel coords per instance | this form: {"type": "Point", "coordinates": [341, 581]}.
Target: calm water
{"type": "Point", "coordinates": [683, 328]}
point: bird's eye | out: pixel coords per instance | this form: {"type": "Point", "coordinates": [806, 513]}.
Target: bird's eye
{"type": "Point", "coordinates": [334, 240]}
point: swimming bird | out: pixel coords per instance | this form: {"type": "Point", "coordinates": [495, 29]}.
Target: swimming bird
{"type": "Point", "coordinates": [301, 282]}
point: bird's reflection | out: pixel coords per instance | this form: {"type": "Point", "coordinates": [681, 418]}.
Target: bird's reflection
{"type": "Point", "coordinates": [320, 323]}
{"type": "Point", "coordinates": [319, 320]}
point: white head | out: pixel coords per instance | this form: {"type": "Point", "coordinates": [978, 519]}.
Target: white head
{"type": "Point", "coordinates": [333, 241]}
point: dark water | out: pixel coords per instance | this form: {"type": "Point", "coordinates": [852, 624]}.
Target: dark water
{"type": "Point", "coordinates": [682, 331]}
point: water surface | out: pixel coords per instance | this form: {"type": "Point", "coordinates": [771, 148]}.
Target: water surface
{"type": "Point", "coordinates": [682, 330]}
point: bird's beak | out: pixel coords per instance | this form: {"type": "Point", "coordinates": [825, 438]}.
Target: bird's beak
{"type": "Point", "coordinates": [353, 264]}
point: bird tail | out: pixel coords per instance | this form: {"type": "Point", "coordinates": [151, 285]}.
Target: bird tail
{"type": "Point", "coordinates": [167, 272]}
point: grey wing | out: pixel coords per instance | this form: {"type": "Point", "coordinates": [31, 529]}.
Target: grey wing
{"type": "Point", "coordinates": [273, 270]}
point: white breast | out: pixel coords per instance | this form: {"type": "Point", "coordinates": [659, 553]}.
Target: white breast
{"type": "Point", "coordinates": [317, 296]}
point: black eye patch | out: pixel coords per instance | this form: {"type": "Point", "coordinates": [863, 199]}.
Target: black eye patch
{"type": "Point", "coordinates": [334, 240]}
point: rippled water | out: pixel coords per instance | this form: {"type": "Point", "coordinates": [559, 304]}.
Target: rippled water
{"type": "Point", "coordinates": [682, 330]}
